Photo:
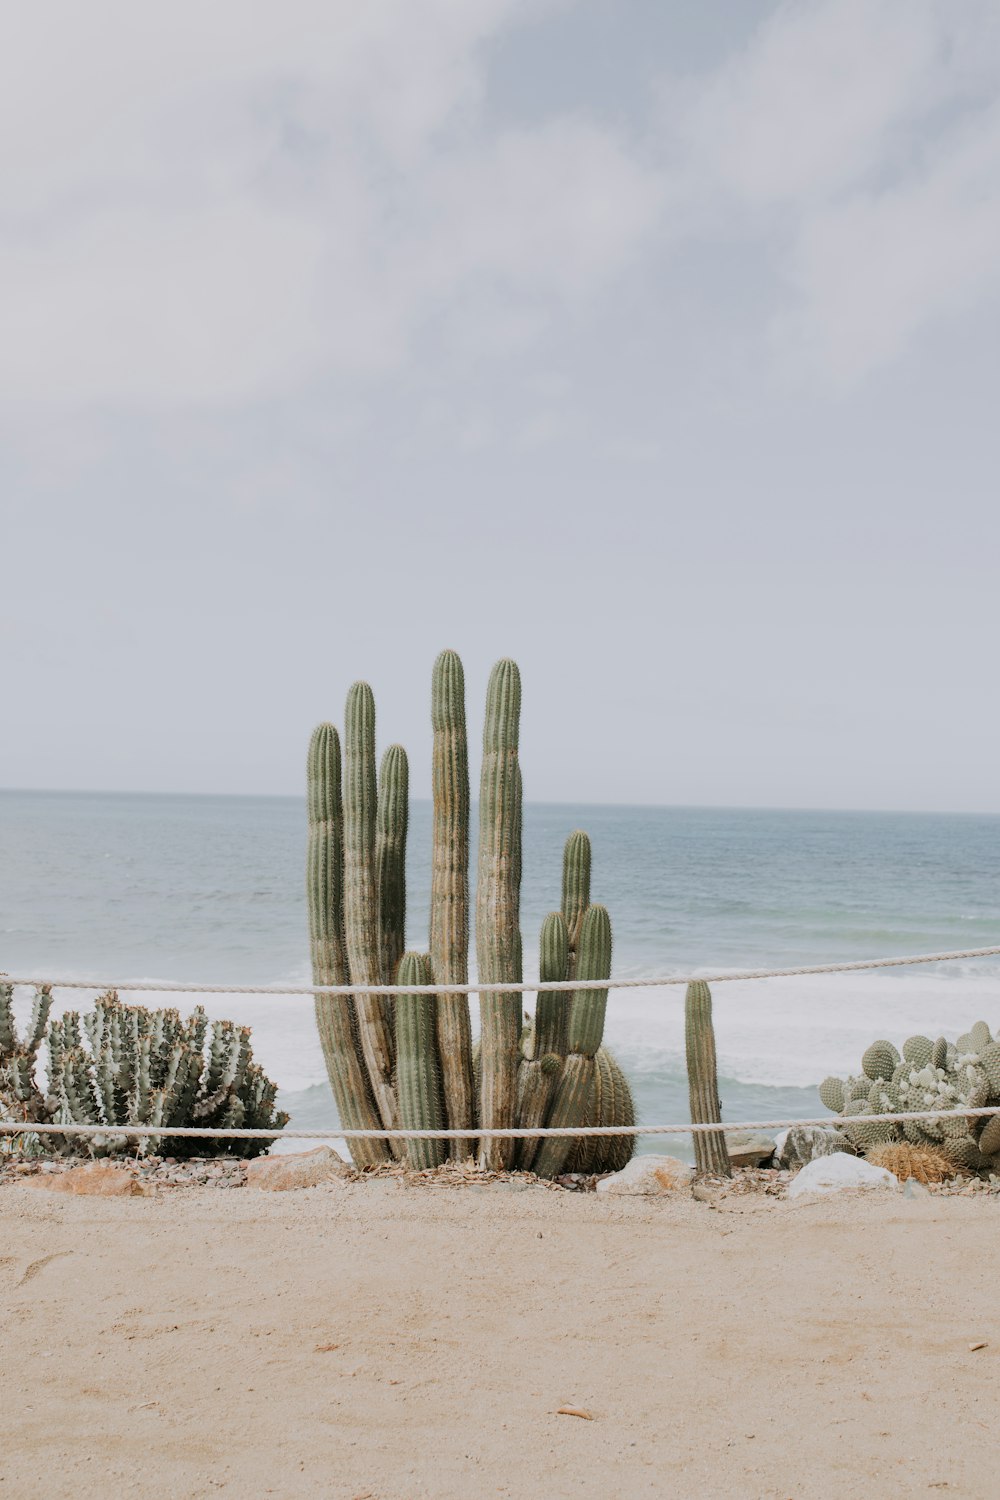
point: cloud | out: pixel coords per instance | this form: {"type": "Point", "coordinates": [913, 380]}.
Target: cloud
{"type": "Point", "coordinates": [210, 204]}
{"type": "Point", "coordinates": [854, 144]}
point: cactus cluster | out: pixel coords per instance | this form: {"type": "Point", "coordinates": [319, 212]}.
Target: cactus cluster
{"type": "Point", "coordinates": [408, 1062]}
{"type": "Point", "coordinates": [951, 1076]}
{"type": "Point", "coordinates": [125, 1065]}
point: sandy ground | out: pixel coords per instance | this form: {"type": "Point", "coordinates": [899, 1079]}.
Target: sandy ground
{"type": "Point", "coordinates": [381, 1341]}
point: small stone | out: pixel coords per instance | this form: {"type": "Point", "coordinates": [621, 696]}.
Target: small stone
{"type": "Point", "coordinates": [648, 1175]}
{"type": "Point", "coordinates": [301, 1169]}
{"type": "Point", "coordinates": [832, 1174]}
{"type": "Point", "coordinates": [915, 1189]}
{"type": "Point", "coordinates": [748, 1148]}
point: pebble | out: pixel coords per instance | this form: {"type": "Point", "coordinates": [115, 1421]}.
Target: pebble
{"type": "Point", "coordinates": [228, 1172]}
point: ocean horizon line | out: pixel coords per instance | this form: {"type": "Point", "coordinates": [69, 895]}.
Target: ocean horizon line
{"type": "Point", "coordinates": [541, 802]}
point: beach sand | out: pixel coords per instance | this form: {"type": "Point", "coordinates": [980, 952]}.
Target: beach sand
{"type": "Point", "coordinates": [383, 1341]}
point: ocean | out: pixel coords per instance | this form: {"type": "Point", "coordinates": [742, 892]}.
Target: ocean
{"type": "Point", "coordinates": [136, 887]}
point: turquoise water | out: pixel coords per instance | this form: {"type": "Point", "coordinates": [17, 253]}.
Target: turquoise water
{"type": "Point", "coordinates": [124, 888]}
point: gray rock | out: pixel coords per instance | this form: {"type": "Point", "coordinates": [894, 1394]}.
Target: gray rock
{"type": "Point", "coordinates": [749, 1148]}
{"type": "Point", "coordinates": [805, 1143]}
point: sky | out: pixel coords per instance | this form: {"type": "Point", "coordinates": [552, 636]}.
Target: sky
{"type": "Point", "coordinates": [650, 343]}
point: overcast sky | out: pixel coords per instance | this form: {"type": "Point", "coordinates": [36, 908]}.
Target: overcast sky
{"type": "Point", "coordinates": [652, 343]}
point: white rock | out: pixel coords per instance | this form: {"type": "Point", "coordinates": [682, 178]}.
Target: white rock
{"type": "Point", "coordinates": [648, 1174]}
{"type": "Point", "coordinates": [831, 1174]}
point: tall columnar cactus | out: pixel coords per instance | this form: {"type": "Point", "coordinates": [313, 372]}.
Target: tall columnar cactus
{"type": "Point", "coordinates": [390, 859]}
{"type": "Point", "coordinates": [373, 1013]}
{"type": "Point", "coordinates": [418, 1076]}
{"type": "Point", "coordinates": [575, 891]}
{"type": "Point", "coordinates": [498, 1088]}
{"type": "Point", "coordinates": [574, 1094]}
{"type": "Point", "coordinates": [449, 927]}
{"type": "Point", "coordinates": [498, 945]}
{"type": "Point", "coordinates": [710, 1152]}
{"type": "Point", "coordinates": [325, 895]}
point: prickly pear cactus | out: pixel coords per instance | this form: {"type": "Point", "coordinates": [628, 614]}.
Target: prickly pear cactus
{"type": "Point", "coordinates": [929, 1075]}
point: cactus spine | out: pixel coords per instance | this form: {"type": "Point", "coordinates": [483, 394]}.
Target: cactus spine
{"type": "Point", "coordinates": [449, 928]}
{"type": "Point", "coordinates": [497, 906]}
{"type": "Point", "coordinates": [374, 1019]}
{"type": "Point", "coordinates": [418, 1077]}
{"type": "Point", "coordinates": [325, 893]}
{"type": "Point", "coordinates": [710, 1152]}
{"type": "Point", "coordinates": [574, 1094]}
{"type": "Point", "coordinates": [390, 859]}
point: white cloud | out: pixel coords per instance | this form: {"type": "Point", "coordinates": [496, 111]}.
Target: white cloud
{"type": "Point", "coordinates": [854, 142]}
{"type": "Point", "coordinates": [211, 203]}
{"type": "Point", "coordinates": [875, 269]}
{"type": "Point", "coordinates": [806, 107]}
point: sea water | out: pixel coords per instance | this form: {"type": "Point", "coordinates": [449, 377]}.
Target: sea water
{"type": "Point", "coordinates": [126, 887]}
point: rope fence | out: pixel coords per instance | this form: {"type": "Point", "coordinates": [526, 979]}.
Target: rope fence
{"type": "Point", "coordinates": [27, 1127]}
{"type": "Point", "coordinates": [167, 987]}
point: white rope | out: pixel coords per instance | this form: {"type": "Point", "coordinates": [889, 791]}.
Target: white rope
{"type": "Point", "coordinates": [169, 987]}
{"type": "Point", "coordinates": [29, 1127]}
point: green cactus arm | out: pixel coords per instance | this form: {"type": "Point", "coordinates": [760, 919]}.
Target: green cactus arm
{"type": "Point", "coordinates": [449, 920]}
{"type": "Point", "coordinates": [75, 1090]}
{"type": "Point", "coordinates": [537, 1079]}
{"type": "Point", "coordinates": [552, 1008]}
{"type": "Point", "coordinates": [575, 891]}
{"type": "Point", "coordinates": [497, 905]}
{"type": "Point", "coordinates": [571, 1107]}
{"type": "Point", "coordinates": [612, 1105]}
{"type": "Point", "coordinates": [710, 1151]}
{"type": "Point", "coordinates": [8, 1028]}
{"type": "Point", "coordinates": [390, 859]}
{"type": "Point", "coordinates": [374, 1017]}
{"type": "Point", "coordinates": [40, 1007]}
{"type": "Point", "coordinates": [573, 1099]}
{"type": "Point", "coordinates": [418, 1075]}
{"type": "Point", "coordinates": [335, 1016]}
{"type": "Point", "coordinates": [588, 1007]}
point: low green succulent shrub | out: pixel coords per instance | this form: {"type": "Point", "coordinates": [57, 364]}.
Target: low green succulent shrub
{"type": "Point", "coordinates": [125, 1065]}
{"type": "Point", "coordinates": [950, 1076]}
